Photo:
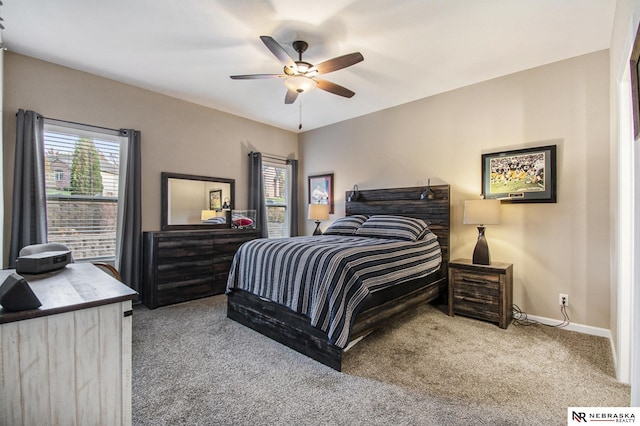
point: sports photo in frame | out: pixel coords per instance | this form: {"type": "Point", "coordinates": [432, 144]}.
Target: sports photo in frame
{"type": "Point", "coordinates": [523, 175]}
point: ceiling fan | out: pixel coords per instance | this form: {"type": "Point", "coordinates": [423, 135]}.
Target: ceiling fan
{"type": "Point", "coordinates": [301, 76]}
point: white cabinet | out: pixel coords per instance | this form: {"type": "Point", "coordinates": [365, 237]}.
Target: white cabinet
{"type": "Point", "coordinates": [70, 366]}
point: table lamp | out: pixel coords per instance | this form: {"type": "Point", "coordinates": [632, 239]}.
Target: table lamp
{"type": "Point", "coordinates": [481, 213]}
{"type": "Point", "coordinates": [318, 212]}
{"type": "Point", "coordinates": [207, 214]}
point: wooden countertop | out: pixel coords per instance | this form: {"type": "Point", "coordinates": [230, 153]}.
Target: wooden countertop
{"type": "Point", "coordinates": [76, 286]}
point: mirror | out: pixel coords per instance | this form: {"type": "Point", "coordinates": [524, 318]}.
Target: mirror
{"type": "Point", "coordinates": [195, 202]}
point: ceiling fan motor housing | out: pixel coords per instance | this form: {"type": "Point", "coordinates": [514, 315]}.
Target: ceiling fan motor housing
{"type": "Point", "coordinates": [300, 47]}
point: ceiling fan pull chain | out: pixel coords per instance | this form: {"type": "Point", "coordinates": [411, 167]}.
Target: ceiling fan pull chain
{"type": "Point", "coordinates": [300, 121]}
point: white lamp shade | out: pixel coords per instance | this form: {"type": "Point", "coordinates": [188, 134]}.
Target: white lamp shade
{"type": "Point", "coordinates": [207, 214]}
{"type": "Point", "coordinates": [482, 212]}
{"type": "Point", "coordinates": [300, 83]}
{"type": "Point", "coordinates": [318, 212]}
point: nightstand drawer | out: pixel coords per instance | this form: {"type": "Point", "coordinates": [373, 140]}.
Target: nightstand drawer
{"type": "Point", "coordinates": [476, 294]}
{"type": "Point", "coordinates": [488, 282]}
{"type": "Point", "coordinates": [478, 309]}
{"type": "Point", "coordinates": [476, 304]}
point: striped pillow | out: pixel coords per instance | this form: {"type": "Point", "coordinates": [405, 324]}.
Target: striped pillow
{"type": "Point", "coordinates": [346, 225]}
{"type": "Point", "coordinates": [393, 227]}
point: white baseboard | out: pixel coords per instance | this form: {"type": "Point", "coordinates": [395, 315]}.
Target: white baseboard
{"type": "Point", "coordinates": [580, 328]}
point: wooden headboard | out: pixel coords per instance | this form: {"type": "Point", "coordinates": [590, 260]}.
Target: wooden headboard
{"type": "Point", "coordinates": [407, 202]}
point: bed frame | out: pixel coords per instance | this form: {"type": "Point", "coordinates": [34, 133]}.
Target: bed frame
{"type": "Point", "coordinates": [295, 331]}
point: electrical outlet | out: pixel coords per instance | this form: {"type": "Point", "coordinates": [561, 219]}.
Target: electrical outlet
{"type": "Point", "coordinates": [563, 300]}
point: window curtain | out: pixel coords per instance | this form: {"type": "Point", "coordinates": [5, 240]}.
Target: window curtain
{"type": "Point", "coordinates": [129, 235]}
{"type": "Point", "coordinates": [293, 199]}
{"type": "Point", "coordinates": [29, 214]}
{"type": "Point", "coordinates": [256, 193]}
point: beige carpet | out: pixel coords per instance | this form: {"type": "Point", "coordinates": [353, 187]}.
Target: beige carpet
{"type": "Point", "coordinates": [193, 366]}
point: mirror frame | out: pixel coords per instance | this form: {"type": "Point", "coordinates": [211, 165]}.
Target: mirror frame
{"type": "Point", "coordinates": [164, 199]}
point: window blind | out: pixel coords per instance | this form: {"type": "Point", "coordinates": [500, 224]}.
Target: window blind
{"type": "Point", "coordinates": [82, 178]}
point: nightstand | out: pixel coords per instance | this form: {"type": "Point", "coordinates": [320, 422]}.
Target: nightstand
{"type": "Point", "coordinates": [481, 291]}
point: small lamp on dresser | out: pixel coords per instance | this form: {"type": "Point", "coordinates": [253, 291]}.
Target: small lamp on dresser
{"type": "Point", "coordinates": [318, 212]}
{"type": "Point", "coordinates": [481, 213]}
{"type": "Point", "coordinates": [207, 214]}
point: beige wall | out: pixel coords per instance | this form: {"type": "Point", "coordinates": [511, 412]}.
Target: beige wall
{"type": "Point", "coordinates": [177, 136]}
{"type": "Point", "coordinates": [561, 247]}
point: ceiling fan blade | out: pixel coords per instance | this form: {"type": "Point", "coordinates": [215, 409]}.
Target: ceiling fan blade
{"type": "Point", "coordinates": [339, 62]}
{"type": "Point", "coordinates": [278, 51]}
{"type": "Point", "coordinates": [336, 89]}
{"type": "Point", "coordinates": [257, 76]}
{"type": "Point", "coordinates": [290, 97]}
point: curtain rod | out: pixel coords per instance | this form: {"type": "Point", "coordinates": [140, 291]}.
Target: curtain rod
{"type": "Point", "coordinates": [80, 124]}
{"type": "Point", "coordinates": [273, 157]}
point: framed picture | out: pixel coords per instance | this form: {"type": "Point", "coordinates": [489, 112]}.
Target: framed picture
{"type": "Point", "coordinates": [215, 197]}
{"type": "Point", "coordinates": [523, 175]}
{"type": "Point", "coordinates": [321, 190]}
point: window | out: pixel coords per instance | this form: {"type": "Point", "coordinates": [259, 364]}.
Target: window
{"type": "Point", "coordinates": [82, 165]}
{"type": "Point", "coordinates": [276, 191]}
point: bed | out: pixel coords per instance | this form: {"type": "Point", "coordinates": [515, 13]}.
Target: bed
{"type": "Point", "coordinates": [342, 293]}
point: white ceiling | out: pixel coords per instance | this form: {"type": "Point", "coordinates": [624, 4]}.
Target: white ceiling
{"type": "Point", "coordinates": [412, 48]}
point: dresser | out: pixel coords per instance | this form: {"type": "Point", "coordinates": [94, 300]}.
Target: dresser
{"type": "Point", "coordinates": [186, 265]}
{"type": "Point", "coordinates": [481, 291]}
{"type": "Point", "coordinates": [68, 362]}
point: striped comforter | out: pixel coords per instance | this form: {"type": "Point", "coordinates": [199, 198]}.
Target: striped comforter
{"type": "Point", "coordinates": [326, 277]}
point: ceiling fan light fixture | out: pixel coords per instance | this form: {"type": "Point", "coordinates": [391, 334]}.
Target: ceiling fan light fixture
{"type": "Point", "coordinates": [300, 83]}
{"type": "Point", "coordinates": [303, 67]}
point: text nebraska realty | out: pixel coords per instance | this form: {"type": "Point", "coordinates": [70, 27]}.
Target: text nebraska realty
{"type": "Point", "coordinates": [604, 417]}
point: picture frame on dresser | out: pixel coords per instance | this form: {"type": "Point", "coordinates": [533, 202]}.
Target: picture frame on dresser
{"type": "Point", "coordinates": [525, 175]}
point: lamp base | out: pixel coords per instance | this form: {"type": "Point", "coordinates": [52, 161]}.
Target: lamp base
{"type": "Point", "coordinates": [481, 252]}
{"type": "Point", "coordinates": [317, 231]}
